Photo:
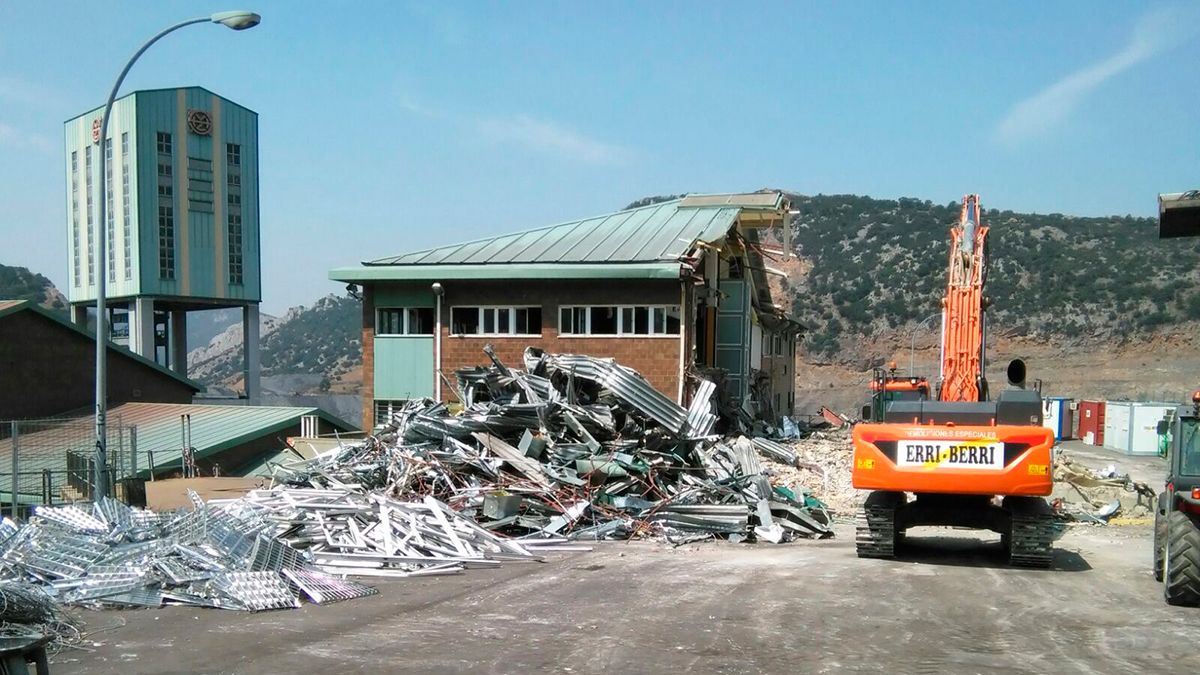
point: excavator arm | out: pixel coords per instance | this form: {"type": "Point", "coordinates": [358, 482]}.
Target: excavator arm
{"type": "Point", "coordinates": [963, 319]}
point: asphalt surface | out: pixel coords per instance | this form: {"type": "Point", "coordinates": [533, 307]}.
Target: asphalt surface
{"type": "Point", "coordinates": [949, 604]}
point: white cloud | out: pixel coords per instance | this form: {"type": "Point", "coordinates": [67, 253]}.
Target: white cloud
{"type": "Point", "coordinates": [552, 138]}
{"type": "Point", "coordinates": [1154, 33]}
{"type": "Point", "coordinates": [13, 137]}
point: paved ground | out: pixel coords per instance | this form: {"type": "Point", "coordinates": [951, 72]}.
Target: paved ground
{"type": "Point", "coordinates": [949, 605]}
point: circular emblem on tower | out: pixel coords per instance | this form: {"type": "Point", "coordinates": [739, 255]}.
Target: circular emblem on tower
{"type": "Point", "coordinates": [200, 122]}
{"type": "Point", "coordinates": [96, 124]}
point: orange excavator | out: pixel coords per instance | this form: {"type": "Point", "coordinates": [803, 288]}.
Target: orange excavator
{"type": "Point", "coordinates": [968, 461]}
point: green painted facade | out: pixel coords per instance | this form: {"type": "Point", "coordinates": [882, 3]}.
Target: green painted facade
{"type": "Point", "coordinates": [403, 367]}
{"type": "Point", "coordinates": [201, 268]}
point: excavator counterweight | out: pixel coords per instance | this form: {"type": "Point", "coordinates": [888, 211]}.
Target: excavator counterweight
{"type": "Point", "coordinates": [960, 453]}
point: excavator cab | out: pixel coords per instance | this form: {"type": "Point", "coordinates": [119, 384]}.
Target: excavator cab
{"type": "Point", "coordinates": [887, 387]}
{"type": "Point", "coordinates": [1177, 516]}
{"type": "Point", "coordinates": [1179, 214]}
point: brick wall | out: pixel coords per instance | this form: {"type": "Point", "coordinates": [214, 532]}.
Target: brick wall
{"type": "Point", "coordinates": [48, 369]}
{"type": "Point", "coordinates": [656, 358]}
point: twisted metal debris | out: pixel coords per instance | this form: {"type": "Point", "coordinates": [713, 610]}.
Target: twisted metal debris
{"type": "Point", "coordinates": [575, 447]}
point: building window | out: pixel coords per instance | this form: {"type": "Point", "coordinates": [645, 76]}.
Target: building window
{"type": "Point", "coordinates": [496, 321]}
{"type": "Point", "coordinates": [233, 179]}
{"type": "Point", "coordinates": [233, 154]}
{"type": "Point", "coordinates": [619, 320]}
{"type": "Point", "coordinates": [91, 229]}
{"type": "Point", "coordinates": [235, 199]}
{"type": "Point", "coordinates": [385, 409]}
{"type": "Point", "coordinates": [200, 185]}
{"type": "Point", "coordinates": [235, 248]}
{"type": "Point", "coordinates": [164, 169]}
{"type": "Point", "coordinates": [75, 246]}
{"type": "Point", "coordinates": [110, 231]}
{"type": "Point", "coordinates": [165, 190]}
{"type": "Point", "coordinates": [164, 143]}
{"type": "Point", "coordinates": [404, 321]}
{"type": "Point", "coordinates": [126, 208]}
{"type": "Point", "coordinates": [166, 241]}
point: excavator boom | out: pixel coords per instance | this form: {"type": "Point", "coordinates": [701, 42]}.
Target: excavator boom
{"type": "Point", "coordinates": [963, 309]}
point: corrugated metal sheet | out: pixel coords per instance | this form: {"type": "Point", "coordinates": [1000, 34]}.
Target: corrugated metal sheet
{"type": "Point", "coordinates": [215, 428]}
{"type": "Point", "coordinates": [655, 233]}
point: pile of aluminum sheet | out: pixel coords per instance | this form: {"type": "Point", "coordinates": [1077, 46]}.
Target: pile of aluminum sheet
{"type": "Point", "coordinates": [571, 446]}
{"type": "Point", "coordinates": [108, 554]}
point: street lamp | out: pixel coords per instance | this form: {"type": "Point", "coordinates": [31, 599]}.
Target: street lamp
{"type": "Point", "coordinates": [912, 342]}
{"type": "Point", "coordinates": [237, 20]}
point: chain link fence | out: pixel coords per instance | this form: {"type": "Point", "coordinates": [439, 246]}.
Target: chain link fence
{"type": "Point", "coordinates": [52, 461]}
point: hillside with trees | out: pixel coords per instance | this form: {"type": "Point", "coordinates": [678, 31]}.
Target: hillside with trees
{"type": "Point", "coordinates": [868, 267]}
{"type": "Point", "coordinates": [19, 283]}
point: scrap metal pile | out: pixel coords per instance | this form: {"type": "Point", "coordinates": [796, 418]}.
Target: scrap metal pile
{"type": "Point", "coordinates": [576, 447]}
{"type": "Point", "coordinates": [108, 554]}
{"type": "Point", "coordinates": [265, 551]}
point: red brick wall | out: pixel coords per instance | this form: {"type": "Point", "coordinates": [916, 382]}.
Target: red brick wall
{"type": "Point", "coordinates": [656, 358]}
{"type": "Point", "coordinates": [47, 369]}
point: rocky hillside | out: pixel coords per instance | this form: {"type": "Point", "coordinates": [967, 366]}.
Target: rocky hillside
{"type": "Point", "coordinates": [322, 339]}
{"type": "Point", "coordinates": [18, 283]}
{"type": "Point", "coordinates": [869, 269]}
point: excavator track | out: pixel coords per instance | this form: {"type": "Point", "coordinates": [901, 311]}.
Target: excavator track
{"type": "Point", "coordinates": [1032, 535]}
{"type": "Point", "coordinates": [875, 528]}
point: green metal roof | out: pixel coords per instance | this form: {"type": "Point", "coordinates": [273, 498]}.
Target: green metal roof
{"type": "Point", "coordinates": [8, 307]}
{"type": "Point", "coordinates": [645, 242]}
{"type": "Point", "coordinates": [215, 428]}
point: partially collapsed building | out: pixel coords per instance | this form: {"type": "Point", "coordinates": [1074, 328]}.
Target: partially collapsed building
{"type": "Point", "coordinates": [665, 289]}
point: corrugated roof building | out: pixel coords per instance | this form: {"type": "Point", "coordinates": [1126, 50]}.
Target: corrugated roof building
{"type": "Point", "coordinates": [54, 456]}
{"type": "Point", "coordinates": [664, 288]}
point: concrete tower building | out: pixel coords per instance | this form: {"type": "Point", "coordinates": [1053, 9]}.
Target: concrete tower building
{"type": "Point", "coordinates": [183, 228]}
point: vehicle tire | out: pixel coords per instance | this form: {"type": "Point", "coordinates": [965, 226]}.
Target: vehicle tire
{"type": "Point", "coordinates": [1181, 559]}
{"type": "Point", "coordinates": [1160, 542]}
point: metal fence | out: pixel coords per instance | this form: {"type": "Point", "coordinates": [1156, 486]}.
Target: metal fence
{"type": "Point", "coordinates": [52, 461]}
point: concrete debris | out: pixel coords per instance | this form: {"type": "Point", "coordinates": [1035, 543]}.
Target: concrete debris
{"type": "Point", "coordinates": [1088, 496]}
{"type": "Point", "coordinates": [574, 447]}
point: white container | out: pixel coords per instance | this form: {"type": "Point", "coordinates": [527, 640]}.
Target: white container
{"type": "Point", "coordinates": [1056, 416]}
{"type": "Point", "coordinates": [1143, 427]}
{"type": "Point", "coordinates": [1116, 424]}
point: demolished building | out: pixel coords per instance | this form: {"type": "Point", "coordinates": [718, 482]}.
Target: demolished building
{"type": "Point", "coordinates": [668, 289]}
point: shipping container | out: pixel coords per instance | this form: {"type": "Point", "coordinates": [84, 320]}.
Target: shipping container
{"type": "Point", "coordinates": [1116, 424]}
{"type": "Point", "coordinates": [1133, 427]}
{"type": "Point", "coordinates": [1057, 417]}
{"type": "Point", "coordinates": [1143, 427]}
{"type": "Point", "coordinates": [1091, 422]}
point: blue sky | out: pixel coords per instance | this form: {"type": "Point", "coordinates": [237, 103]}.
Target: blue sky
{"type": "Point", "coordinates": [387, 127]}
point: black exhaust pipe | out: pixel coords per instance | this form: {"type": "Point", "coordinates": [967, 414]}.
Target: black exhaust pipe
{"type": "Point", "coordinates": [1016, 373]}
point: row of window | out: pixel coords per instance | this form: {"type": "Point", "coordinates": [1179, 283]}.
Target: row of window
{"type": "Point", "coordinates": [200, 199]}
{"type": "Point", "coordinates": [166, 208]}
{"type": "Point", "coordinates": [606, 320]}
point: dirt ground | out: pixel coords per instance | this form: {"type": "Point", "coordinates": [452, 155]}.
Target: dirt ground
{"type": "Point", "coordinates": [950, 604]}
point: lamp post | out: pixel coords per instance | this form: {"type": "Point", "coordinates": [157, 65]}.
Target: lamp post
{"type": "Point", "coordinates": [912, 342]}
{"type": "Point", "coordinates": [237, 20]}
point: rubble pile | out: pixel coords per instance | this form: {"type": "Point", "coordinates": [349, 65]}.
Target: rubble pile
{"type": "Point", "coordinates": [820, 465]}
{"type": "Point", "coordinates": [1084, 495]}
{"type": "Point", "coordinates": [576, 447]}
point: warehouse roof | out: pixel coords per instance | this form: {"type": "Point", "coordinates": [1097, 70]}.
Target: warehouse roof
{"type": "Point", "coordinates": [10, 307]}
{"type": "Point", "coordinates": [214, 429]}
{"type": "Point", "coordinates": [644, 242]}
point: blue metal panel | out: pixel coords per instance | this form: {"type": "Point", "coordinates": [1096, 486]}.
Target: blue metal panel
{"type": "Point", "coordinates": [733, 335]}
{"type": "Point", "coordinates": [403, 367]}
